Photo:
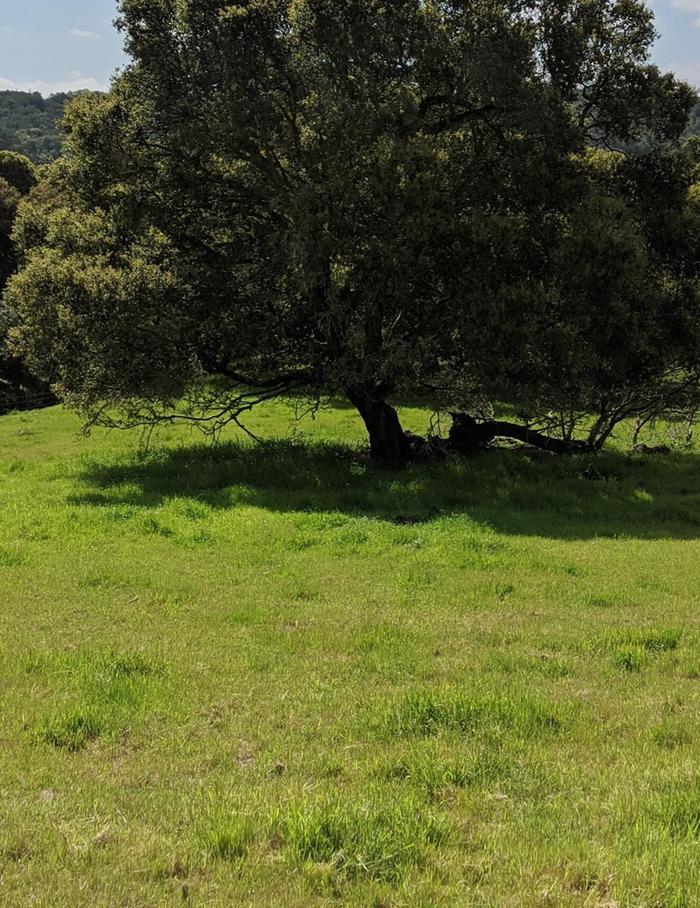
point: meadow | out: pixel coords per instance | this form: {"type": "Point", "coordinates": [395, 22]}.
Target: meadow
{"type": "Point", "coordinates": [278, 675]}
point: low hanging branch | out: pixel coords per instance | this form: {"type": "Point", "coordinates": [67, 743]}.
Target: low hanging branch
{"type": "Point", "coordinates": [467, 436]}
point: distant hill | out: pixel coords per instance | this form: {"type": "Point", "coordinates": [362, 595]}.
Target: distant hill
{"type": "Point", "coordinates": [28, 124]}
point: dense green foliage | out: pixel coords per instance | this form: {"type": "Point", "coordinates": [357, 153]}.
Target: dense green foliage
{"type": "Point", "coordinates": [18, 177]}
{"type": "Point", "coordinates": [612, 323]}
{"type": "Point", "coordinates": [28, 124]}
{"type": "Point", "coordinates": [366, 199]}
{"type": "Point", "coordinates": [275, 675]}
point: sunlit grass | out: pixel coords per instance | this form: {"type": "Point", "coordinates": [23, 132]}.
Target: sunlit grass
{"type": "Point", "coordinates": [276, 674]}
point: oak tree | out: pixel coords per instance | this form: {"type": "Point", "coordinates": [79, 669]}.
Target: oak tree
{"type": "Point", "coordinates": [363, 198]}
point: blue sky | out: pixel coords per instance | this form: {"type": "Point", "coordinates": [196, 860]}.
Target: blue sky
{"type": "Point", "coordinates": [58, 45]}
{"type": "Point", "coordinates": [64, 45]}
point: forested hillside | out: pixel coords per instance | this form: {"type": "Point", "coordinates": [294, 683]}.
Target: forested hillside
{"type": "Point", "coordinates": [28, 124]}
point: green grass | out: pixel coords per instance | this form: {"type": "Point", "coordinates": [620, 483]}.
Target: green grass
{"type": "Point", "coordinates": [278, 675]}
{"type": "Point", "coordinates": [426, 715]}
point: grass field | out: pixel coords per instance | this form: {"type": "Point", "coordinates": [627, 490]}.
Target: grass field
{"type": "Point", "coordinates": [278, 676]}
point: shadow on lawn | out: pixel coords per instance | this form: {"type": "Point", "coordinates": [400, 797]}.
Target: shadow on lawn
{"type": "Point", "coordinates": [514, 491]}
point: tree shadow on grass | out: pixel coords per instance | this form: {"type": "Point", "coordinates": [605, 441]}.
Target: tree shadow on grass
{"type": "Point", "coordinates": [514, 491]}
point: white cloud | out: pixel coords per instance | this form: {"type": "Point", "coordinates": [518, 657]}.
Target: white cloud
{"type": "Point", "coordinates": [689, 71]}
{"type": "Point", "coordinates": [688, 6]}
{"type": "Point", "coordinates": [77, 82]}
{"type": "Point", "coordinates": [85, 35]}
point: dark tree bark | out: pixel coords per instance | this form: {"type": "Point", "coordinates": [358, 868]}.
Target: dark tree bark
{"type": "Point", "coordinates": [468, 436]}
{"type": "Point", "coordinates": [392, 445]}
{"type": "Point", "coordinates": [387, 439]}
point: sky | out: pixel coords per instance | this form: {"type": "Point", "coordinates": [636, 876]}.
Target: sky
{"type": "Point", "coordinates": [66, 45]}
{"type": "Point", "coordinates": [58, 45]}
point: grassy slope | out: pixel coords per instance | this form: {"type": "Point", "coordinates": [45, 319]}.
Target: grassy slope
{"type": "Point", "coordinates": [277, 676]}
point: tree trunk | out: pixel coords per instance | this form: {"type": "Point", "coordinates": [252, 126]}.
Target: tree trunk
{"type": "Point", "coordinates": [388, 441]}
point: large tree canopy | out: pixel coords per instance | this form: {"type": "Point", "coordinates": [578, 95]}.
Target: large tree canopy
{"type": "Point", "coordinates": [365, 198]}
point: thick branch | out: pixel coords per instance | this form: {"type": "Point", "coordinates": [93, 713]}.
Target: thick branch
{"type": "Point", "coordinates": [283, 381]}
{"type": "Point", "coordinates": [454, 118]}
{"type": "Point", "coordinates": [468, 436]}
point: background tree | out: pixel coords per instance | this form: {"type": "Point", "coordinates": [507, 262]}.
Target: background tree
{"type": "Point", "coordinates": [17, 178]}
{"type": "Point", "coordinates": [364, 198]}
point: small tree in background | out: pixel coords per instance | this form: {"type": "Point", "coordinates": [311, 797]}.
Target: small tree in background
{"type": "Point", "coordinates": [17, 179]}
{"type": "Point", "coordinates": [358, 198]}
